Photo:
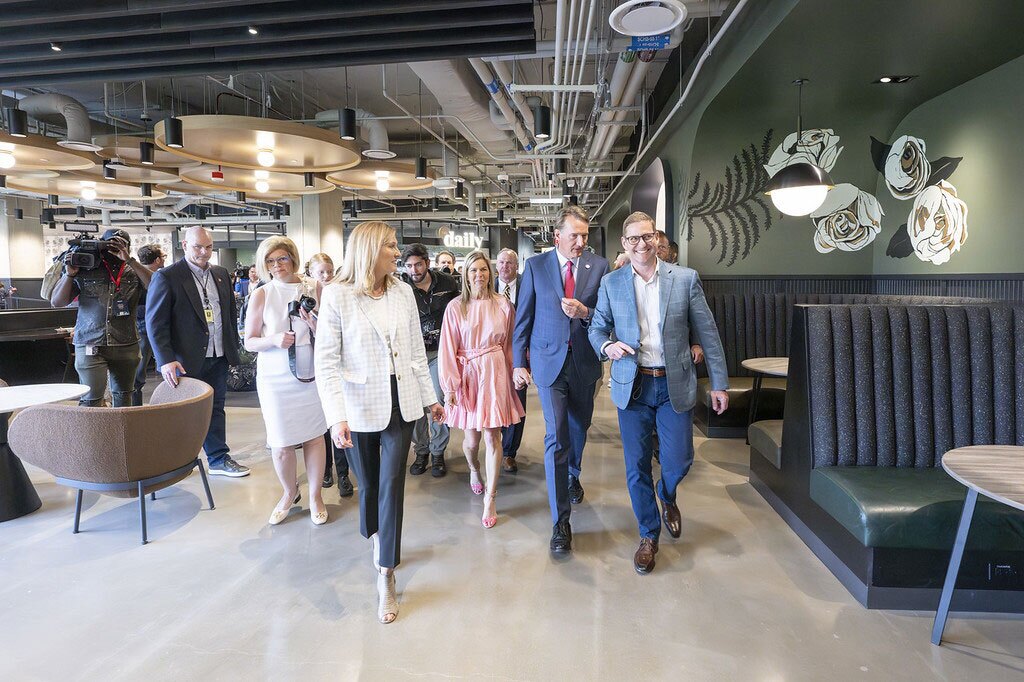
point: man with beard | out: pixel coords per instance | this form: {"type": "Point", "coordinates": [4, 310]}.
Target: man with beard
{"type": "Point", "coordinates": [433, 290]}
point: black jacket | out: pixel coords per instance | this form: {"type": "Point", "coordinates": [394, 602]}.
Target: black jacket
{"type": "Point", "coordinates": [175, 321]}
{"type": "Point", "coordinates": [432, 303]}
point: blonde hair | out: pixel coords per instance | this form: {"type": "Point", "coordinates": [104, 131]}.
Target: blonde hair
{"type": "Point", "coordinates": [270, 245]}
{"type": "Point", "coordinates": [318, 259]}
{"type": "Point", "coordinates": [467, 289]}
{"type": "Point", "coordinates": [364, 245]}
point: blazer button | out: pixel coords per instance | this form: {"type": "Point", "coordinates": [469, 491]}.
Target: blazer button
{"type": "Point", "coordinates": [398, 376]}
{"type": "Point", "coordinates": [396, 354]}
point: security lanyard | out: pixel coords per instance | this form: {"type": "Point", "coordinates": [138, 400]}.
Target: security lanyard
{"type": "Point", "coordinates": [115, 280]}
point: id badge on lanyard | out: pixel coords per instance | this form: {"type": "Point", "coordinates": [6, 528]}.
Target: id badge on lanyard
{"type": "Point", "coordinates": [118, 306]}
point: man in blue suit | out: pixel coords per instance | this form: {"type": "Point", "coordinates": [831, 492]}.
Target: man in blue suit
{"type": "Point", "coordinates": [646, 313]}
{"type": "Point", "coordinates": [557, 295]}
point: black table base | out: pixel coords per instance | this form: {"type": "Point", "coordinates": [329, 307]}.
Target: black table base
{"type": "Point", "coordinates": [17, 495]}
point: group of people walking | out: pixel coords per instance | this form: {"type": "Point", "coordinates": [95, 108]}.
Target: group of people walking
{"type": "Point", "coordinates": [382, 363]}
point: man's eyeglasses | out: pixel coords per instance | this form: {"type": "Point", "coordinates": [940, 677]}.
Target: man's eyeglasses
{"type": "Point", "coordinates": [648, 238]}
{"type": "Point", "coordinates": [283, 260]}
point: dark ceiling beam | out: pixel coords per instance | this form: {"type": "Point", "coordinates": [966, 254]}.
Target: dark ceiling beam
{"type": "Point", "coordinates": [58, 28]}
{"type": "Point", "coordinates": [269, 53]}
{"type": "Point", "coordinates": [285, 64]}
{"type": "Point", "coordinates": [335, 28]}
{"type": "Point", "coordinates": [26, 13]}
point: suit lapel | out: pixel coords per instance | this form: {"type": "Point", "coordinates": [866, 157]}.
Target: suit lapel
{"type": "Point", "coordinates": [555, 270]}
{"type": "Point", "coordinates": [628, 297]}
{"type": "Point", "coordinates": [582, 273]}
{"type": "Point", "coordinates": [191, 290]}
{"type": "Point", "coordinates": [668, 280]}
{"type": "Point", "coordinates": [361, 303]}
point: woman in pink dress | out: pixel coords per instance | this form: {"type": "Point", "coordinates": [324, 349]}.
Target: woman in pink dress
{"type": "Point", "coordinates": [475, 371]}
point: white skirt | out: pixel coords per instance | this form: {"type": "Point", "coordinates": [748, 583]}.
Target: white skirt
{"type": "Point", "coordinates": [291, 409]}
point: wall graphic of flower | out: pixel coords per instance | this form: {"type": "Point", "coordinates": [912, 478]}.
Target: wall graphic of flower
{"type": "Point", "coordinates": [937, 225]}
{"type": "Point", "coordinates": [849, 220]}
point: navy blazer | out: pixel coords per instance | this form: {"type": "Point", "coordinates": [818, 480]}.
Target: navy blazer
{"type": "Point", "coordinates": [175, 321]}
{"type": "Point", "coordinates": [519, 285]}
{"type": "Point", "coordinates": [540, 340]}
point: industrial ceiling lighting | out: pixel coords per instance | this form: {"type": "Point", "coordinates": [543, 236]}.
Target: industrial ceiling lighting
{"type": "Point", "coordinates": [459, 190]}
{"type": "Point", "coordinates": [240, 196]}
{"type": "Point", "coordinates": [800, 188]}
{"type": "Point", "coordinates": [307, 180]}
{"type": "Point", "coordinates": [3, 180]}
{"type": "Point", "coordinates": [566, 190]}
{"type": "Point", "coordinates": [17, 122]}
{"type": "Point", "coordinates": [894, 80]}
{"type": "Point", "coordinates": [88, 191]}
{"type": "Point", "coordinates": [353, 209]}
{"type": "Point", "coordinates": [265, 158]}
{"type": "Point", "coordinates": [108, 172]}
{"type": "Point", "coordinates": [647, 17]}
{"type": "Point", "coordinates": [483, 204]}
{"type": "Point", "coordinates": [173, 135]}
{"type": "Point", "coordinates": [574, 200]}
{"type": "Point", "coordinates": [19, 214]}
{"type": "Point", "coordinates": [347, 124]}
{"type": "Point", "coordinates": [46, 216]}
{"type": "Point", "coordinates": [383, 180]}
{"type": "Point", "coordinates": [512, 223]}
{"type": "Point", "coordinates": [56, 47]}
{"type": "Point", "coordinates": [254, 31]}
{"type": "Point", "coordinates": [435, 204]}
{"type": "Point", "coordinates": [147, 211]}
{"type": "Point", "coordinates": [542, 200]}
{"type": "Point", "coordinates": [561, 167]}
{"type": "Point", "coordinates": [146, 153]}
{"type": "Point", "coordinates": [286, 209]}
{"type": "Point", "coordinates": [147, 189]}
{"type": "Point", "coordinates": [542, 122]}
{"type": "Point", "coordinates": [262, 186]}
{"type": "Point", "coordinates": [7, 159]}
{"type": "Point", "coordinates": [54, 199]}
{"type": "Point", "coordinates": [80, 211]}
{"type": "Point", "coordinates": [500, 215]}
{"type": "Point", "coordinates": [421, 168]}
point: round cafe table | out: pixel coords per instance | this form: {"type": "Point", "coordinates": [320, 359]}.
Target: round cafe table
{"type": "Point", "coordinates": [17, 495]}
{"type": "Point", "coordinates": [761, 367]}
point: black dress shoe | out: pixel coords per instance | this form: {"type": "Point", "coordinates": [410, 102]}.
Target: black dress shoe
{"type": "Point", "coordinates": [643, 560]}
{"type": "Point", "coordinates": [437, 467]}
{"type": "Point", "coordinates": [328, 479]}
{"type": "Point", "coordinates": [345, 488]}
{"type": "Point", "coordinates": [670, 515]}
{"type": "Point", "coordinates": [419, 465]}
{"type": "Point", "coordinates": [561, 538]}
{"type": "Point", "coordinates": [575, 490]}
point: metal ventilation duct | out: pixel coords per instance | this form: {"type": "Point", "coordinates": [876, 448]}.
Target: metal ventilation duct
{"type": "Point", "coordinates": [75, 117]}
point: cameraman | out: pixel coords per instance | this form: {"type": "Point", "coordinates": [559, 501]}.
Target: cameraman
{"type": "Point", "coordinates": [433, 290]}
{"type": "Point", "coordinates": [106, 338]}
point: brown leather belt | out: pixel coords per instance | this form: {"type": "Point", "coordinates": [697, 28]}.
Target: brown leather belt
{"type": "Point", "coordinates": [652, 371]}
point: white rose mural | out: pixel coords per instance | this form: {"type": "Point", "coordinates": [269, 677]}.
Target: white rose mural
{"type": "Point", "coordinates": [849, 220]}
{"type": "Point", "coordinates": [907, 169]}
{"type": "Point", "coordinates": [938, 223]}
{"type": "Point", "coordinates": [818, 146]}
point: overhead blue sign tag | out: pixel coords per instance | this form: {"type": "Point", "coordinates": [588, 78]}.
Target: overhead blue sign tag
{"type": "Point", "coordinates": [656, 42]}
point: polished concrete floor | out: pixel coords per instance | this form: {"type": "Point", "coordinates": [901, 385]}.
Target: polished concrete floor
{"type": "Point", "coordinates": [219, 595]}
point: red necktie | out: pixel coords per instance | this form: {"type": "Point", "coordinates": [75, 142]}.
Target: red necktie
{"type": "Point", "coordinates": [570, 281]}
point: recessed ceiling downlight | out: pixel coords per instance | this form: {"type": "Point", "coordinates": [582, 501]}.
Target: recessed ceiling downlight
{"type": "Point", "coordinates": [647, 17]}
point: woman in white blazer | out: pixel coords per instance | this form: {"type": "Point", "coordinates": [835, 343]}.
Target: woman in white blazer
{"type": "Point", "coordinates": [371, 371]}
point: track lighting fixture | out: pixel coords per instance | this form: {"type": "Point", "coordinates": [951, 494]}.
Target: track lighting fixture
{"type": "Point", "coordinates": [3, 180]}
{"type": "Point", "coordinates": [512, 223]}
{"type": "Point", "coordinates": [147, 211]}
{"type": "Point", "coordinates": [435, 204]}
{"type": "Point", "coordinates": [55, 199]}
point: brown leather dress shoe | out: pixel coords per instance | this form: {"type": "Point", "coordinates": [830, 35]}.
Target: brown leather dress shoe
{"type": "Point", "coordinates": [673, 521]}
{"type": "Point", "coordinates": [508, 464]}
{"type": "Point", "coordinates": [643, 560]}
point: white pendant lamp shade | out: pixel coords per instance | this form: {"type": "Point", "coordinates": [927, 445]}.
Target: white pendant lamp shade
{"type": "Point", "coordinates": [799, 189]}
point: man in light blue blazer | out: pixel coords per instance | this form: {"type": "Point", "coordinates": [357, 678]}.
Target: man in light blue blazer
{"type": "Point", "coordinates": [646, 313]}
{"type": "Point", "coordinates": [557, 295]}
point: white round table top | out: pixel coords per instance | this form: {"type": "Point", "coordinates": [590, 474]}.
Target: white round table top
{"type": "Point", "coordinates": [19, 397]}
{"type": "Point", "coordinates": [776, 367]}
{"type": "Point", "coordinates": [995, 471]}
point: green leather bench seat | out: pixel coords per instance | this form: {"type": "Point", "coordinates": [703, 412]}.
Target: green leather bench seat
{"type": "Point", "coordinates": [766, 440]}
{"type": "Point", "coordinates": [911, 507]}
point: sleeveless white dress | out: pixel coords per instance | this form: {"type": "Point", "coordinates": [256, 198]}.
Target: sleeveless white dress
{"type": "Point", "coordinates": [291, 408]}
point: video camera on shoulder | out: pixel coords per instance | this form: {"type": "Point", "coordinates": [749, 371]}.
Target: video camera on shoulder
{"type": "Point", "coordinates": [86, 252]}
{"type": "Point", "coordinates": [306, 303]}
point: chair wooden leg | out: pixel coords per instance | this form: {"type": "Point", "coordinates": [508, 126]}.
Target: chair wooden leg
{"type": "Point", "coordinates": [206, 483]}
{"type": "Point", "coordinates": [78, 510]}
{"type": "Point", "coordinates": [142, 512]}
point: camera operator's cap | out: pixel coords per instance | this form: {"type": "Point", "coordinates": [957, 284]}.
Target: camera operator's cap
{"type": "Point", "coordinates": [114, 232]}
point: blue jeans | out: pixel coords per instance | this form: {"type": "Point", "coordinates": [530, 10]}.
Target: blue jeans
{"type": "Point", "coordinates": [650, 407]}
{"type": "Point", "coordinates": [215, 373]}
{"type": "Point", "coordinates": [428, 436]}
{"type": "Point", "coordinates": [568, 406]}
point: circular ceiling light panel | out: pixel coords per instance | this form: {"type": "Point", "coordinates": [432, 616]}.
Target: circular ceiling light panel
{"type": "Point", "coordinates": [67, 185]}
{"type": "Point", "coordinates": [647, 17]}
{"type": "Point", "coordinates": [251, 181]}
{"type": "Point", "coordinates": [133, 174]}
{"type": "Point", "coordinates": [36, 152]}
{"type": "Point", "coordinates": [124, 150]}
{"type": "Point", "coordinates": [252, 143]}
{"type": "Point", "coordinates": [371, 175]}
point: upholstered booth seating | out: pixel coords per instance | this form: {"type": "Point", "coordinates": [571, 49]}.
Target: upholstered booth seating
{"type": "Point", "coordinates": [123, 452]}
{"type": "Point", "coordinates": [766, 440]}
{"type": "Point", "coordinates": [876, 395]}
{"type": "Point", "coordinates": [759, 325]}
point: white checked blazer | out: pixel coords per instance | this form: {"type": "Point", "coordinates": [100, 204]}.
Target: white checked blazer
{"type": "Point", "coordinates": [352, 369]}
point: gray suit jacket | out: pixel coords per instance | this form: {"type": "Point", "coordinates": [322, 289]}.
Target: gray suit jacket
{"type": "Point", "coordinates": [683, 310]}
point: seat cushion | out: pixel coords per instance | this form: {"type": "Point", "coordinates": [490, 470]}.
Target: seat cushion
{"type": "Point", "coordinates": [909, 507]}
{"type": "Point", "coordinates": [766, 440]}
{"type": "Point", "coordinates": [773, 391]}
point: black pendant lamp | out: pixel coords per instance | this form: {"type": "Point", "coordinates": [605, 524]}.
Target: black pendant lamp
{"type": "Point", "coordinates": [80, 211]}
{"type": "Point", "coordinates": [421, 168]}
{"type": "Point", "coordinates": [561, 167]}
{"type": "Point", "coordinates": [286, 209]}
{"type": "Point", "coordinates": [19, 214]}
{"type": "Point", "coordinates": [17, 122]}
{"type": "Point", "coordinates": [353, 210]}
{"type": "Point", "coordinates": [800, 188]}
{"type": "Point", "coordinates": [146, 153]}
{"type": "Point", "coordinates": [54, 199]}
{"type": "Point", "coordinates": [512, 223]}
{"type": "Point", "coordinates": [347, 124]}
{"type": "Point", "coordinates": [240, 196]}
{"type": "Point", "coordinates": [459, 191]}
{"type": "Point", "coordinates": [500, 215]}
{"type": "Point", "coordinates": [435, 204]}
{"type": "Point", "coordinates": [108, 172]}
{"type": "Point", "coordinates": [307, 180]}
{"type": "Point", "coordinates": [483, 204]}
{"type": "Point", "coordinates": [542, 122]}
{"type": "Point", "coordinates": [574, 200]}
{"type": "Point", "coordinates": [174, 136]}
{"type": "Point", "coordinates": [147, 189]}
{"type": "Point", "coordinates": [3, 180]}
{"type": "Point", "coordinates": [147, 211]}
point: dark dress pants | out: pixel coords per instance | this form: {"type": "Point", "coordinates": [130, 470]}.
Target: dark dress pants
{"type": "Point", "coordinates": [568, 406]}
{"type": "Point", "coordinates": [650, 408]}
{"type": "Point", "coordinates": [379, 464]}
{"type": "Point", "coordinates": [146, 354]}
{"type": "Point", "coordinates": [512, 436]}
{"type": "Point", "coordinates": [215, 373]}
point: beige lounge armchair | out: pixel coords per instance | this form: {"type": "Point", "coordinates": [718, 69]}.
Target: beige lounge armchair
{"type": "Point", "coordinates": [121, 451]}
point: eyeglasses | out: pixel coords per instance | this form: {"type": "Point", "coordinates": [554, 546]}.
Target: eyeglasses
{"type": "Point", "coordinates": [648, 237]}
{"type": "Point", "coordinates": [271, 262]}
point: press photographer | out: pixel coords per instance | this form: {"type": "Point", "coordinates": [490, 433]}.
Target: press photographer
{"type": "Point", "coordinates": [108, 284]}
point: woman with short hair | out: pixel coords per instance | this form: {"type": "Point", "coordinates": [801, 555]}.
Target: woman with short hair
{"type": "Point", "coordinates": [279, 326]}
{"type": "Point", "coordinates": [374, 384]}
{"type": "Point", "coordinates": [475, 369]}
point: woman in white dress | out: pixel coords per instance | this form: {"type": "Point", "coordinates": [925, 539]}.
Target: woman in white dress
{"type": "Point", "coordinates": [284, 372]}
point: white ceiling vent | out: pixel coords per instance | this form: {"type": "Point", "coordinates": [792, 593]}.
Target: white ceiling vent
{"type": "Point", "coordinates": [647, 17]}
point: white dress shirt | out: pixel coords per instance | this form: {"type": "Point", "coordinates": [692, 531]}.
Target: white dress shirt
{"type": "Point", "coordinates": [205, 281]}
{"type": "Point", "coordinates": [511, 287]}
{"type": "Point", "coordinates": [648, 312]}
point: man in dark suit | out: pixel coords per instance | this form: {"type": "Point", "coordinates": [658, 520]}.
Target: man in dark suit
{"type": "Point", "coordinates": [190, 317]}
{"type": "Point", "coordinates": [507, 285]}
{"type": "Point", "coordinates": [557, 296]}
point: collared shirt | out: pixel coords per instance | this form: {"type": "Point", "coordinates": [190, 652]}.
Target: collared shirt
{"type": "Point", "coordinates": [562, 260]}
{"type": "Point", "coordinates": [648, 312]}
{"type": "Point", "coordinates": [510, 286]}
{"type": "Point", "coordinates": [431, 305]}
{"type": "Point", "coordinates": [204, 280]}
{"type": "Point", "coordinates": [97, 324]}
